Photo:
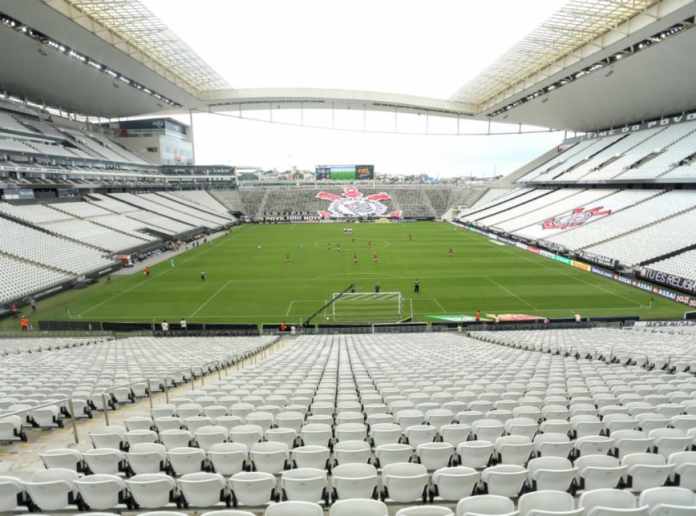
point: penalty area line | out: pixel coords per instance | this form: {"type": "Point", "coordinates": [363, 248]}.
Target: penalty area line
{"type": "Point", "coordinates": [207, 301]}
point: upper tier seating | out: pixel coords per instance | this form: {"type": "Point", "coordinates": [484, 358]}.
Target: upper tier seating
{"type": "Point", "coordinates": [613, 203]}
{"type": "Point", "coordinates": [49, 250]}
{"type": "Point", "coordinates": [19, 278]}
{"type": "Point", "coordinates": [183, 207]}
{"type": "Point", "coordinates": [644, 213]}
{"type": "Point", "coordinates": [663, 237]}
{"type": "Point", "coordinates": [528, 208]}
{"type": "Point", "coordinates": [201, 198]}
{"type": "Point", "coordinates": [172, 213]}
{"type": "Point", "coordinates": [683, 265]}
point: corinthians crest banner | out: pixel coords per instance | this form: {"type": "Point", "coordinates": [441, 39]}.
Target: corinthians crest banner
{"type": "Point", "coordinates": [575, 218]}
{"type": "Point", "coordinates": [354, 205]}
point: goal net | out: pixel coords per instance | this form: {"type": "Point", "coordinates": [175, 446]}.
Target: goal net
{"type": "Point", "coordinates": [361, 307]}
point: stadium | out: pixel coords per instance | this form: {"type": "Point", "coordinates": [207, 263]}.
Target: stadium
{"type": "Point", "coordinates": [183, 334]}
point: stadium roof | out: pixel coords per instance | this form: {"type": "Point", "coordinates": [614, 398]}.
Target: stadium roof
{"type": "Point", "coordinates": [577, 23]}
{"type": "Point", "coordinates": [146, 38]}
{"type": "Point", "coordinates": [547, 79]}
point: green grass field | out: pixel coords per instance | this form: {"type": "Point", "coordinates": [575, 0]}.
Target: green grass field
{"type": "Point", "coordinates": [249, 279]}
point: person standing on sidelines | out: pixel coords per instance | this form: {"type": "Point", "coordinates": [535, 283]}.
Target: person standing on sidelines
{"type": "Point", "coordinates": [416, 287]}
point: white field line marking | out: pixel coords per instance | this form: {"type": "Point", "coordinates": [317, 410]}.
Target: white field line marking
{"type": "Point", "coordinates": [580, 279]}
{"type": "Point", "coordinates": [205, 303]}
{"type": "Point", "coordinates": [290, 307]}
{"type": "Point", "coordinates": [440, 305]}
{"type": "Point", "coordinates": [122, 292]}
{"type": "Point", "coordinates": [503, 287]}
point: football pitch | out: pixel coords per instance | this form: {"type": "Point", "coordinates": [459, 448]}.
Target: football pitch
{"type": "Point", "coordinates": [273, 273]}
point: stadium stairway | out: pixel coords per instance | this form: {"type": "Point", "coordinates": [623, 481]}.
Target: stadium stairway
{"type": "Point", "coordinates": [262, 204]}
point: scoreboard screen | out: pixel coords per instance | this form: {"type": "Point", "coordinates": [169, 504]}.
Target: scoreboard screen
{"type": "Point", "coordinates": [345, 172]}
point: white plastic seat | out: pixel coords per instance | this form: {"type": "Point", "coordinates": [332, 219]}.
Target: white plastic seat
{"type": "Point", "coordinates": [393, 454]}
{"type": "Point", "coordinates": [260, 418]}
{"type": "Point", "coordinates": [405, 482]}
{"type": "Point", "coordinates": [514, 449]}
{"type": "Point", "coordinates": [347, 452]}
{"type": "Point", "coordinates": [100, 492]}
{"type": "Point", "coordinates": [228, 512]}
{"type": "Point", "coordinates": [52, 489]}
{"type": "Point", "coordinates": [354, 481]}
{"type": "Point", "coordinates": [246, 434]}
{"type": "Point", "coordinates": [646, 470]}
{"type": "Point", "coordinates": [290, 419]}
{"type": "Point", "coordinates": [439, 417]}
{"type": "Point", "coordinates": [252, 489]}
{"type": "Point", "coordinates": [138, 423]}
{"type": "Point", "coordinates": [185, 460]}
{"type": "Point", "coordinates": [425, 510]}
{"type": "Point", "coordinates": [670, 440]}
{"type": "Point", "coordinates": [316, 434]}
{"type": "Point", "coordinates": [385, 433]}
{"type": "Point", "coordinates": [594, 445]}
{"type": "Point", "coordinates": [151, 490]}
{"type": "Point", "coordinates": [228, 458]}
{"type": "Point", "coordinates": [505, 479]}
{"type": "Point", "coordinates": [420, 434]}
{"type": "Point", "coordinates": [454, 483]}
{"type": "Point", "coordinates": [552, 444]}
{"type": "Point", "coordinates": [669, 501]}
{"type": "Point", "coordinates": [523, 426]}
{"type": "Point", "coordinates": [631, 441]}
{"type": "Point", "coordinates": [455, 433]}
{"type": "Point", "coordinates": [294, 508]}
{"type": "Point", "coordinates": [351, 432]}
{"type": "Point", "coordinates": [269, 457]}
{"type": "Point", "coordinates": [175, 438]}
{"type": "Point", "coordinates": [140, 436]}
{"type": "Point", "coordinates": [305, 484]}
{"type": "Point", "coordinates": [146, 458]}
{"type": "Point", "coordinates": [104, 461]}
{"type": "Point", "coordinates": [684, 468]}
{"type": "Point", "coordinates": [65, 458]}
{"type": "Point", "coordinates": [490, 505]}
{"type": "Point", "coordinates": [11, 489]}
{"type": "Point", "coordinates": [358, 506]}
{"type": "Point", "coordinates": [187, 410]}
{"type": "Point", "coordinates": [604, 502]}
{"type": "Point", "coordinates": [311, 456]}
{"type": "Point", "coordinates": [208, 436]}
{"type": "Point", "coordinates": [487, 429]}
{"type": "Point", "coordinates": [11, 428]}
{"type": "Point", "coordinates": [168, 423]}
{"type": "Point", "coordinates": [286, 436]}
{"type": "Point", "coordinates": [113, 436]}
{"type": "Point", "coordinates": [599, 471]}
{"type": "Point", "coordinates": [409, 417]}
{"type": "Point", "coordinates": [551, 473]}
{"type": "Point", "coordinates": [435, 455]}
{"type": "Point", "coordinates": [475, 454]}
{"type": "Point", "coordinates": [548, 503]}
{"type": "Point", "coordinates": [202, 489]}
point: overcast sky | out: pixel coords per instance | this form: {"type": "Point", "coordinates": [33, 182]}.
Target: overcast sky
{"type": "Point", "coordinates": [423, 47]}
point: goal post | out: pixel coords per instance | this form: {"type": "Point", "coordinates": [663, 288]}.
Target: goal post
{"type": "Point", "coordinates": [366, 307]}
